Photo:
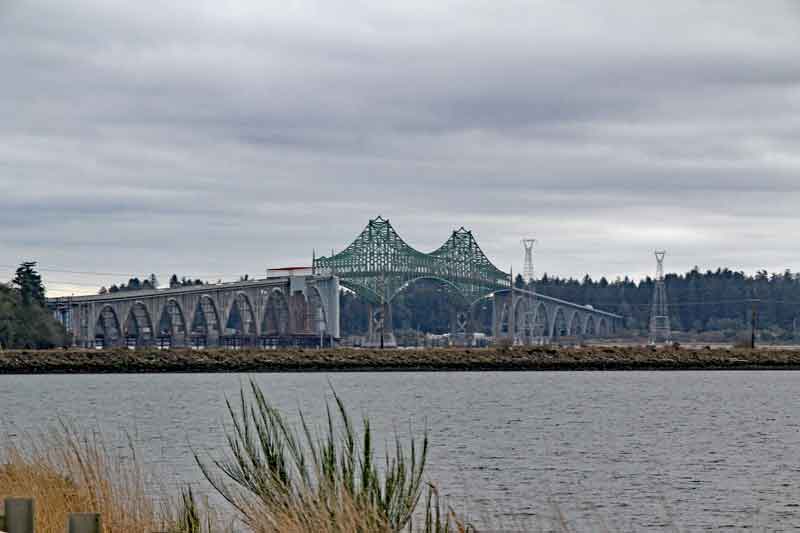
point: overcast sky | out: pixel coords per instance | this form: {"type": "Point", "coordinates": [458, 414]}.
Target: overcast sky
{"type": "Point", "coordinates": [214, 138]}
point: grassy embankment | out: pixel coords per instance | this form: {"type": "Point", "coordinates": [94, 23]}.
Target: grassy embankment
{"type": "Point", "coordinates": [274, 478]}
{"type": "Point", "coordinates": [518, 358]}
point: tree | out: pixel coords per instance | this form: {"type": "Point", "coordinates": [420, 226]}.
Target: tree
{"type": "Point", "coordinates": [29, 283]}
{"type": "Point", "coordinates": [27, 324]}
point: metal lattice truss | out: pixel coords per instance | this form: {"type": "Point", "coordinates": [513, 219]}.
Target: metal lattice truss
{"type": "Point", "coordinates": [378, 265]}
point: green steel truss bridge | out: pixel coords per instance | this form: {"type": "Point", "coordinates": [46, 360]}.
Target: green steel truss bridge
{"type": "Point", "coordinates": [379, 264]}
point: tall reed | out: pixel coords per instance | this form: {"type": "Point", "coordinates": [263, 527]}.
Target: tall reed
{"type": "Point", "coordinates": [281, 478]}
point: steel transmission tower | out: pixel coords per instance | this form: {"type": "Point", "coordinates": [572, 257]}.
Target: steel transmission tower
{"type": "Point", "coordinates": [527, 271]}
{"type": "Point", "coordinates": [659, 314]}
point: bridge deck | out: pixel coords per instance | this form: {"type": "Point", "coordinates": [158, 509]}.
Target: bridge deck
{"type": "Point", "coordinates": [149, 293]}
{"type": "Point", "coordinates": [559, 301]}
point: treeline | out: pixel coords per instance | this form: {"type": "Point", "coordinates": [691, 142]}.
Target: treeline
{"type": "Point", "coordinates": [150, 282]}
{"type": "Point", "coordinates": [714, 303]}
{"type": "Point", "coordinates": [25, 322]}
{"type": "Point", "coordinates": [711, 301]}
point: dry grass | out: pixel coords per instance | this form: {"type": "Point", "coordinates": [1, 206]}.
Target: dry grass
{"type": "Point", "coordinates": [68, 472]}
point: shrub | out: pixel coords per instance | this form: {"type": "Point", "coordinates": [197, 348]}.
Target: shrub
{"type": "Point", "coordinates": [280, 479]}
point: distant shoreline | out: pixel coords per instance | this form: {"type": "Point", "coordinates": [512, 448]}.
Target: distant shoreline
{"type": "Point", "coordinates": [540, 358]}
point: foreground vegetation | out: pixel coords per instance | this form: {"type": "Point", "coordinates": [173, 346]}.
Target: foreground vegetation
{"type": "Point", "coordinates": [274, 478]}
{"type": "Point", "coordinates": [518, 358]}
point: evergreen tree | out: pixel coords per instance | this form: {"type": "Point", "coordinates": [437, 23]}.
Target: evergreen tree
{"type": "Point", "coordinates": [29, 284]}
{"type": "Point", "coordinates": [25, 322]}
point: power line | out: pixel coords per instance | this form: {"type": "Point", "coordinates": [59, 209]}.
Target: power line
{"type": "Point", "coordinates": [762, 301]}
{"type": "Point", "coordinates": [94, 273]}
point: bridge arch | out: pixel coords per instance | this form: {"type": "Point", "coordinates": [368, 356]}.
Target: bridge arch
{"type": "Point", "coordinates": [241, 318]}
{"type": "Point", "coordinates": [455, 316]}
{"type": "Point", "coordinates": [541, 322]}
{"type": "Point", "coordinates": [316, 311]}
{"type": "Point", "coordinates": [276, 314]}
{"type": "Point", "coordinates": [602, 328]}
{"type": "Point", "coordinates": [589, 328]}
{"type": "Point", "coordinates": [107, 328]}
{"type": "Point", "coordinates": [524, 320]}
{"type": "Point", "coordinates": [560, 324]}
{"type": "Point", "coordinates": [205, 322]}
{"type": "Point", "coordinates": [504, 322]}
{"type": "Point", "coordinates": [575, 329]}
{"type": "Point", "coordinates": [139, 324]}
{"type": "Point", "coordinates": [446, 282]}
{"type": "Point", "coordinates": [172, 322]}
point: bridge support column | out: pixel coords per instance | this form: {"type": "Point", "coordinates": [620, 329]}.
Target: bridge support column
{"type": "Point", "coordinates": [380, 331]}
{"type": "Point", "coordinates": [502, 317]}
{"type": "Point", "coordinates": [462, 327]}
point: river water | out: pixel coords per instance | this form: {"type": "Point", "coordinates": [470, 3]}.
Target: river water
{"type": "Point", "coordinates": [512, 450]}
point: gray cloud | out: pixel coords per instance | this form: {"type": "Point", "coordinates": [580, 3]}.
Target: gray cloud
{"type": "Point", "coordinates": [206, 138]}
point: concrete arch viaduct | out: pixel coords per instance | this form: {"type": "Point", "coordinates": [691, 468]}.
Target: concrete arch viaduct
{"type": "Point", "coordinates": [284, 310]}
{"type": "Point", "coordinates": [531, 318]}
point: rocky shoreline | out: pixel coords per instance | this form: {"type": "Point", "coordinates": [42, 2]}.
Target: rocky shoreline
{"type": "Point", "coordinates": [344, 359]}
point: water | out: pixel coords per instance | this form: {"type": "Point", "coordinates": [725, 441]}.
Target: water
{"type": "Point", "coordinates": [617, 450]}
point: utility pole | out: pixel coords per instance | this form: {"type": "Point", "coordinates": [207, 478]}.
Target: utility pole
{"type": "Point", "coordinates": [511, 318]}
{"type": "Point", "coordinates": [382, 311]}
{"type": "Point", "coordinates": [753, 321]}
{"type": "Point", "coordinates": [659, 313]}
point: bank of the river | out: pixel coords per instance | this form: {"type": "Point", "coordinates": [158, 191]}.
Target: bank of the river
{"type": "Point", "coordinates": [528, 358]}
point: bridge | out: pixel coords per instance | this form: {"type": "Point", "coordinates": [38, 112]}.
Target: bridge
{"type": "Point", "coordinates": [301, 306]}
{"type": "Point", "coordinates": [378, 265]}
{"type": "Point", "coordinates": [291, 308]}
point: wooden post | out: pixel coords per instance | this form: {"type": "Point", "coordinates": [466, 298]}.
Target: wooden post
{"type": "Point", "coordinates": [19, 515]}
{"type": "Point", "coordinates": [84, 523]}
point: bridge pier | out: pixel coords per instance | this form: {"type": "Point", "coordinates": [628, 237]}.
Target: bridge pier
{"type": "Point", "coordinates": [380, 332]}
{"type": "Point", "coordinates": [502, 320]}
{"type": "Point", "coordinates": [462, 326]}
